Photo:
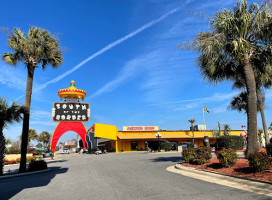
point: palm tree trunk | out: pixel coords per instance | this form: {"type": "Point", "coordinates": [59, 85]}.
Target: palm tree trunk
{"type": "Point", "coordinates": [2, 151]}
{"type": "Point", "coordinates": [252, 144]}
{"type": "Point", "coordinates": [193, 133]}
{"type": "Point", "coordinates": [260, 102]}
{"type": "Point", "coordinates": [24, 142]}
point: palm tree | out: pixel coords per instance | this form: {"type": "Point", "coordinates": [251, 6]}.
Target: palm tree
{"type": "Point", "coordinates": [8, 115]}
{"type": "Point", "coordinates": [36, 48]}
{"type": "Point", "coordinates": [263, 81]}
{"type": "Point", "coordinates": [239, 102]}
{"type": "Point", "coordinates": [44, 138]}
{"type": "Point", "coordinates": [235, 44]}
{"type": "Point", "coordinates": [39, 145]}
{"type": "Point", "coordinates": [192, 121]}
{"type": "Point", "coordinates": [226, 129]}
{"type": "Point", "coordinates": [8, 141]}
{"type": "Point", "coordinates": [219, 128]}
{"type": "Point", "coordinates": [270, 127]}
{"type": "Point", "coordinates": [32, 135]}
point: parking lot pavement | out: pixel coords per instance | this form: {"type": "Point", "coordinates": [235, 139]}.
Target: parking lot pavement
{"type": "Point", "coordinates": [116, 176]}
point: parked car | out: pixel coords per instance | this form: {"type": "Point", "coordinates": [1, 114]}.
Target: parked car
{"type": "Point", "coordinates": [154, 145]}
{"type": "Point", "coordinates": [66, 151]}
{"type": "Point", "coordinates": [78, 150]}
{"type": "Point", "coordinates": [100, 149]}
{"type": "Point", "coordinates": [185, 145]}
{"type": "Point", "coordinates": [48, 153]}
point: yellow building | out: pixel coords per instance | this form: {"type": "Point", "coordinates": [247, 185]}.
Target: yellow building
{"type": "Point", "coordinates": [135, 138]}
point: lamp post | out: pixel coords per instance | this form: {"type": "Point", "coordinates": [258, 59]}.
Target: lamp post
{"type": "Point", "coordinates": [158, 135]}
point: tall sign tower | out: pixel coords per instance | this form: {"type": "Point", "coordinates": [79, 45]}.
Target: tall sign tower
{"type": "Point", "coordinates": [70, 113]}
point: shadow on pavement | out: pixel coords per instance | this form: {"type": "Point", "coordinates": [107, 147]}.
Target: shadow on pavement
{"type": "Point", "coordinates": [55, 161]}
{"type": "Point", "coordinates": [12, 186]}
{"type": "Point", "coordinates": [167, 159]}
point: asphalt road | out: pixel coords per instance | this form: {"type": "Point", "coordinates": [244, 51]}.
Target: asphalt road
{"type": "Point", "coordinates": [116, 176]}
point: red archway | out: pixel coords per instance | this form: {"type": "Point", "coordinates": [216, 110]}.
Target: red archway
{"type": "Point", "coordinates": [63, 127]}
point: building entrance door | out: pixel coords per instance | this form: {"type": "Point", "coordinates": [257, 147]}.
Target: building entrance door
{"type": "Point", "coordinates": [134, 145]}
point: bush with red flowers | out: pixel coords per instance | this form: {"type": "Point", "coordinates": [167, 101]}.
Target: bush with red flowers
{"type": "Point", "coordinates": [227, 157]}
{"type": "Point", "coordinates": [203, 154]}
{"type": "Point", "coordinates": [189, 154]}
{"type": "Point", "coordinates": [258, 161]}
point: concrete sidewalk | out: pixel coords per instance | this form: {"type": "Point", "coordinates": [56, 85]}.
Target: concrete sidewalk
{"type": "Point", "coordinates": [14, 168]}
{"type": "Point", "coordinates": [238, 183]}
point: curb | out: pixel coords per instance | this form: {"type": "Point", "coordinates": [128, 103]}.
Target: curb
{"type": "Point", "coordinates": [19, 164]}
{"type": "Point", "coordinates": [11, 165]}
{"type": "Point", "coordinates": [162, 152]}
{"type": "Point", "coordinates": [191, 169]}
{"type": "Point", "coordinates": [257, 187]}
{"type": "Point", "coordinates": [23, 174]}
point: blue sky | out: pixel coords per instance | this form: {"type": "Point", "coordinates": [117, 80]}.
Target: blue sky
{"type": "Point", "coordinates": [134, 75]}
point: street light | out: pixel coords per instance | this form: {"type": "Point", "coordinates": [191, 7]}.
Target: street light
{"type": "Point", "coordinates": [158, 135]}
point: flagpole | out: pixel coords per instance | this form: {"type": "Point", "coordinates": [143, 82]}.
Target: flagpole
{"type": "Point", "coordinates": [204, 119]}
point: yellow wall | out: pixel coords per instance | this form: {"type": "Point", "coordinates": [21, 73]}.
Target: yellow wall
{"type": "Point", "coordinates": [111, 132]}
{"type": "Point", "coordinates": [183, 136]}
{"type": "Point", "coordinates": [105, 131]}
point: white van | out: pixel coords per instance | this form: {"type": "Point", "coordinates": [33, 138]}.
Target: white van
{"type": "Point", "coordinates": [66, 151]}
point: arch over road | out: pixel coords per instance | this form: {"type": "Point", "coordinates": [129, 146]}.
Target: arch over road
{"type": "Point", "coordinates": [63, 127]}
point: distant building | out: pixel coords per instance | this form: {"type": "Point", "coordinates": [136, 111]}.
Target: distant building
{"type": "Point", "coordinates": [137, 138]}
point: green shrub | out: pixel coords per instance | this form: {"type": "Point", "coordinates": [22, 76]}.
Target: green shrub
{"type": "Point", "coordinates": [203, 154]}
{"type": "Point", "coordinates": [190, 145]}
{"type": "Point", "coordinates": [36, 165]}
{"type": "Point", "coordinates": [189, 154]}
{"type": "Point", "coordinates": [167, 146]}
{"type": "Point", "coordinates": [269, 149]}
{"type": "Point", "coordinates": [259, 161]}
{"type": "Point", "coordinates": [30, 158]}
{"type": "Point", "coordinates": [230, 142]}
{"type": "Point", "coordinates": [13, 150]}
{"type": "Point", "coordinates": [5, 162]}
{"type": "Point", "coordinates": [227, 157]}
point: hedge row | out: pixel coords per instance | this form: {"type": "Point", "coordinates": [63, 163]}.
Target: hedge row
{"type": "Point", "coordinates": [167, 146]}
{"type": "Point", "coordinates": [17, 161]}
{"type": "Point", "coordinates": [230, 142]}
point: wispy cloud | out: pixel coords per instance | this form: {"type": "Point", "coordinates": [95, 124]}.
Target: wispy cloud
{"type": "Point", "coordinates": [220, 109]}
{"type": "Point", "coordinates": [158, 71]}
{"type": "Point", "coordinates": [217, 97]}
{"type": "Point", "coordinates": [40, 114]}
{"type": "Point", "coordinates": [10, 77]}
{"type": "Point", "coordinates": [103, 50]}
{"type": "Point", "coordinates": [44, 123]}
{"type": "Point", "coordinates": [190, 104]}
{"type": "Point", "coordinates": [131, 70]}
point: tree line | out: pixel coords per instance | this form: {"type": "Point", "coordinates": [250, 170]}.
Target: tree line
{"type": "Point", "coordinates": [238, 49]}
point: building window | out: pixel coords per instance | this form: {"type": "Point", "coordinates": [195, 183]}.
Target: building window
{"type": "Point", "coordinates": [134, 145]}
